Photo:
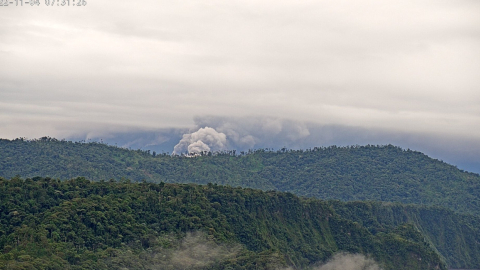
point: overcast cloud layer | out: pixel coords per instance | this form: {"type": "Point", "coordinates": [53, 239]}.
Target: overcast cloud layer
{"type": "Point", "coordinates": [400, 66]}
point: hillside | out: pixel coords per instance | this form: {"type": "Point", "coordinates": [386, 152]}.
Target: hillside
{"type": "Point", "coordinates": [381, 173]}
{"type": "Point", "coordinates": [79, 224]}
{"type": "Point", "coordinates": [455, 236]}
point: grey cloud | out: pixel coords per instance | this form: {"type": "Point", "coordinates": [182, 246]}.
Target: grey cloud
{"type": "Point", "coordinates": [158, 140]}
{"type": "Point", "coordinates": [245, 133]}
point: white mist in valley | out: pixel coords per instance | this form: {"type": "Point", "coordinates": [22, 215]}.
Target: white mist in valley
{"type": "Point", "coordinates": [197, 251]}
{"type": "Point", "coordinates": [343, 261]}
{"type": "Point", "coordinates": [194, 251]}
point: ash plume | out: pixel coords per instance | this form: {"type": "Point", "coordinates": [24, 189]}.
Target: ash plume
{"type": "Point", "coordinates": [205, 139]}
{"type": "Point", "coordinates": [213, 134]}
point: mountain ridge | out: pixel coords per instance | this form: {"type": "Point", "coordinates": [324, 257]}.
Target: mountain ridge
{"type": "Point", "coordinates": [382, 173]}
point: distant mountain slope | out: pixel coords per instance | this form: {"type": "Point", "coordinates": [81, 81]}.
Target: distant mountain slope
{"type": "Point", "coordinates": [78, 224]}
{"type": "Point", "coordinates": [383, 173]}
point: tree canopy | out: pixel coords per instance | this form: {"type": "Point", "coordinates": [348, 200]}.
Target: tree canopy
{"type": "Point", "coordinates": [80, 224]}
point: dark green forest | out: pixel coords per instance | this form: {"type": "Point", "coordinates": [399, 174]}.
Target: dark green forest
{"type": "Point", "coordinates": [380, 173]}
{"type": "Point", "coordinates": [455, 236]}
{"type": "Point", "coordinates": [80, 224]}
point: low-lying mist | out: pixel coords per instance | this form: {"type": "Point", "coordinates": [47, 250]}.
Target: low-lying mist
{"type": "Point", "coordinates": [197, 251]}
{"type": "Point", "coordinates": [194, 251]}
{"type": "Point", "coordinates": [343, 261]}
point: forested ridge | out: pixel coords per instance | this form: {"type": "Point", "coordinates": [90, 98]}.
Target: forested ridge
{"type": "Point", "coordinates": [381, 173]}
{"type": "Point", "coordinates": [455, 236]}
{"type": "Point", "coordinates": [79, 224]}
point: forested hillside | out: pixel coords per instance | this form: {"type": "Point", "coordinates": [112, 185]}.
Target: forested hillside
{"type": "Point", "coordinates": [79, 224]}
{"type": "Point", "coordinates": [382, 173]}
{"type": "Point", "coordinates": [455, 236]}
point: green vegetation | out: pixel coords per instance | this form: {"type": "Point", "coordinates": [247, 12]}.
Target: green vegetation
{"type": "Point", "coordinates": [79, 224]}
{"type": "Point", "coordinates": [455, 236]}
{"type": "Point", "coordinates": [380, 173]}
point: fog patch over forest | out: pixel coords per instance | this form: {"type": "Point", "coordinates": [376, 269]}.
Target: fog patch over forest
{"type": "Point", "coordinates": [197, 251]}
{"type": "Point", "coordinates": [344, 261]}
{"type": "Point", "coordinates": [194, 251]}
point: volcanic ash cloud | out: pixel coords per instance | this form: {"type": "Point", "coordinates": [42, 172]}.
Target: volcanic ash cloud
{"type": "Point", "coordinates": [203, 140]}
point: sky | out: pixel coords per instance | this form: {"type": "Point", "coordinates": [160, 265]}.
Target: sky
{"type": "Point", "coordinates": [209, 74]}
